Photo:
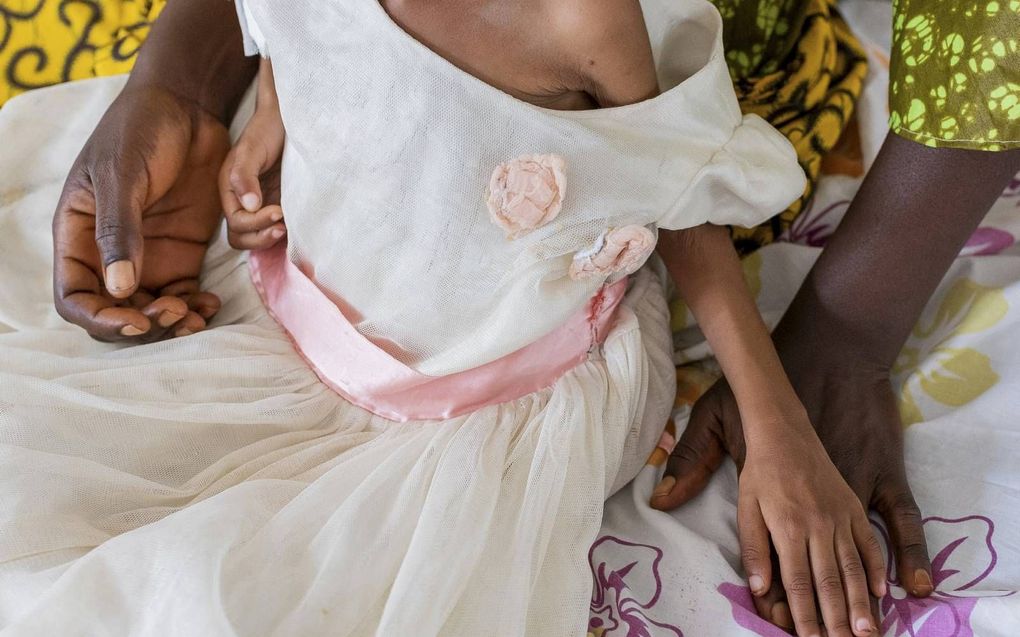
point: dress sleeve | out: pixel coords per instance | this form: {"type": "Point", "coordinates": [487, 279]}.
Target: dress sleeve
{"type": "Point", "coordinates": [752, 177]}
{"type": "Point", "coordinates": [254, 41]}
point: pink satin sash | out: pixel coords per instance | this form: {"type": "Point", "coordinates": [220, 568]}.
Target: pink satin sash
{"type": "Point", "coordinates": [369, 377]}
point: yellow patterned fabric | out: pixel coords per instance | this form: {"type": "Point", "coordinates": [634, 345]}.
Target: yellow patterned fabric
{"type": "Point", "coordinates": [796, 64]}
{"type": "Point", "coordinates": [44, 42]}
{"type": "Point", "coordinates": [955, 73]}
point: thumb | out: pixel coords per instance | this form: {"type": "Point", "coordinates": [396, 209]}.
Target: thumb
{"type": "Point", "coordinates": [895, 503]}
{"type": "Point", "coordinates": [245, 169]}
{"type": "Point", "coordinates": [120, 196]}
{"type": "Point", "coordinates": [697, 455]}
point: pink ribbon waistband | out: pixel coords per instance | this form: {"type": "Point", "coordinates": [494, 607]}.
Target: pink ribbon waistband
{"type": "Point", "coordinates": [369, 377]}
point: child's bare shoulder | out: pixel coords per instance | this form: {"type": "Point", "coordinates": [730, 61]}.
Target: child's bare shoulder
{"type": "Point", "coordinates": [606, 43]}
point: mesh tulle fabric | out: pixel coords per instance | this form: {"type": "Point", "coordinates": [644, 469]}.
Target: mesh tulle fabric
{"type": "Point", "coordinates": [390, 149]}
{"type": "Point", "coordinates": [211, 485]}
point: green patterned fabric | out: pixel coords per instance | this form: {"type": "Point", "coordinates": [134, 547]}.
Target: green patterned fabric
{"type": "Point", "coordinates": [955, 73]}
{"type": "Point", "coordinates": [796, 64]}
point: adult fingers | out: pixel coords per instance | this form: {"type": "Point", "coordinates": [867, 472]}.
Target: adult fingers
{"type": "Point", "coordinates": [192, 323]}
{"type": "Point", "coordinates": [103, 318]}
{"type": "Point", "coordinates": [755, 550]}
{"type": "Point", "coordinates": [899, 510]}
{"type": "Point", "coordinates": [205, 304]}
{"type": "Point", "coordinates": [855, 582]}
{"type": "Point", "coordinates": [800, 590]}
{"type": "Point", "coordinates": [78, 298]}
{"type": "Point", "coordinates": [165, 311]}
{"type": "Point", "coordinates": [697, 456]}
{"type": "Point", "coordinates": [120, 192]}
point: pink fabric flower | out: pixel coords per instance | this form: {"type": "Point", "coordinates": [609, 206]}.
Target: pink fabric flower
{"type": "Point", "coordinates": [618, 251]}
{"type": "Point", "coordinates": [526, 193]}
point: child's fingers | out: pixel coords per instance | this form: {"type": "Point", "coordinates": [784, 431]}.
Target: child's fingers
{"type": "Point", "coordinates": [228, 200]}
{"type": "Point", "coordinates": [248, 162]}
{"type": "Point", "coordinates": [257, 240]}
{"type": "Point", "coordinates": [800, 589]}
{"type": "Point", "coordinates": [242, 221]}
{"type": "Point", "coordinates": [755, 550]}
{"type": "Point", "coordinates": [829, 583]}
{"type": "Point", "coordinates": [871, 554]}
{"type": "Point", "coordinates": [856, 583]}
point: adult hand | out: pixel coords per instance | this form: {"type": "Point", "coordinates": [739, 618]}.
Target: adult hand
{"type": "Point", "coordinates": [856, 417]}
{"type": "Point", "coordinates": [137, 212]}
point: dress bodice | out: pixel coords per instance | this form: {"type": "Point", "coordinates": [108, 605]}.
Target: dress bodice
{"type": "Point", "coordinates": [453, 223]}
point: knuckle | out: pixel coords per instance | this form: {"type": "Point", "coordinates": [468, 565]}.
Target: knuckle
{"type": "Point", "coordinates": [830, 585]}
{"type": "Point", "coordinates": [839, 627]}
{"type": "Point", "coordinates": [872, 545]}
{"type": "Point", "coordinates": [799, 585]}
{"type": "Point", "coordinates": [852, 568]}
{"type": "Point", "coordinates": [750, 555]}
{"type": "Point", "coordinates": [901, 503]}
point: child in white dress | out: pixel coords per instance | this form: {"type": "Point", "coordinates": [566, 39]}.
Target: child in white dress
{"type": "Point", "coordinates": [452, 230]}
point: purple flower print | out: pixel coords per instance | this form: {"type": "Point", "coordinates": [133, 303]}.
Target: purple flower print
{"type": "Point", "coordinates": [811, 229]}
{"type": "Point", "coordinates": [627, 586]}
{"type": "Point", "coordinates": [957, 568]}
{"type": "Point", "coordinates": [742, 607]}
{"type": "Point", "coordinates": [986, 241]}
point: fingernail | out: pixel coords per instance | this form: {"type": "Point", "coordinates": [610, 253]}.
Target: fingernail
{"type": "Point", "coordinates": [864, 625]}
{"type": "Point", "coordinates": [276, 233]}
{"type": "Point", "coordinates": [922, 582]}
{"type": "Point", "coordinates": [277, 215]}
{"type": "Point", "coordinates": [882, 589]}
{"type": "Point", "coordinates": [183, 332]}
{"type": "Point", "coordinates": [120, 275]}
{"type": "Point", "coordinates": [664, 487]}
{"type": "Point", "coordinates": [781, 615]}
{"type": "Point", "coordinates": [168, 318]}
{"type": "Point", "coordinates": [250, 202]}
{"type": "Point", "coordinates": [131, 330]}
{"type": "Point", "coordinates": [757, 584]}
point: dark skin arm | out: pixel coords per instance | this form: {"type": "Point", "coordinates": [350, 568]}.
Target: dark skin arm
{"type": "Point", "coordinates": [140, 203]}
{"type": "Point", "coordinates": [841, 335]}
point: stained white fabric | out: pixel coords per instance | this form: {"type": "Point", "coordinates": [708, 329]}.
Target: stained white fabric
{"type": "Point", "coordinates": [390, 149]}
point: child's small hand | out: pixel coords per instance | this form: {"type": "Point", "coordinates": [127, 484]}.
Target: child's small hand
{"type": "Point", "coordinates": [790, 491]}
{"type": "Point", "coordinates": [249, 179]}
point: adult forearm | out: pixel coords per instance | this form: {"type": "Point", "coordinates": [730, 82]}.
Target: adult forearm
{"type": "Point", "coordinates": [194, 50]}
{"type": "Point", "coordinates": [914, 212]}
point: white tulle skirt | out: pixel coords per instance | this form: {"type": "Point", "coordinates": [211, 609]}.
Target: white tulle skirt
{"type": "Point", "coordinates": [211, 485]}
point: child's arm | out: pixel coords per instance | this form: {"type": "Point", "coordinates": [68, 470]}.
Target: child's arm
{"type": "Point", "coordinates": [254, 218]}
{"type": "Point", "coordinates": [789, 489]}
